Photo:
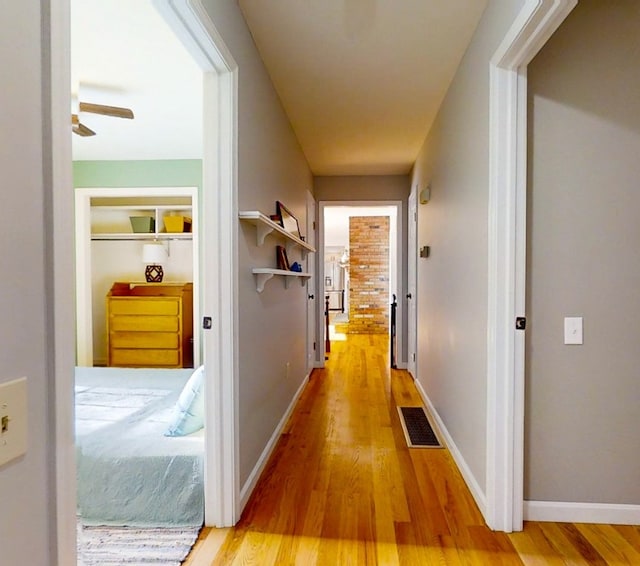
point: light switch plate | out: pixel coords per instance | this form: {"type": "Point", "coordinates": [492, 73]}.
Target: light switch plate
{"type": "Point", "coordinates": [13, 419]}
{"type": "Point", "coordinates": [573, 330]}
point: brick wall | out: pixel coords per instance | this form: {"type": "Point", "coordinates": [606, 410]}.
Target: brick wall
{"type": "Point", "coordinates": [369, 274]}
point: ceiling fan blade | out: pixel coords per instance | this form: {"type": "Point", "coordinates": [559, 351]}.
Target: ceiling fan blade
{"type": "Point", "coordinates": [114, 111]}
{"type": "Point", "coordinates": [79, 128]}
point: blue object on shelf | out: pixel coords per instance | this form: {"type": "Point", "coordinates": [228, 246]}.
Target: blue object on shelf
{"type": "Point", "coordinates": [296, 267]}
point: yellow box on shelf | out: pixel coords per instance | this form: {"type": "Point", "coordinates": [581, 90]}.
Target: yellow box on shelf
{"type": "Point", "coordinates": [177, 223]}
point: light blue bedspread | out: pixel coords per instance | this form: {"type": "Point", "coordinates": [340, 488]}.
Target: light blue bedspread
{"type": "Point", "coordinates": [129, 473]}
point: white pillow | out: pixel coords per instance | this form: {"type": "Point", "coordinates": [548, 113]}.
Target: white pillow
{"type": "Point", "coordinates": [188, 413]}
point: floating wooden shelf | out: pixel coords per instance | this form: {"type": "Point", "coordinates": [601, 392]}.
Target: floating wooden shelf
{"type": "Point", "coordinates": [263, 274]}
{"type": "Point", "coordinates": [265, 226]}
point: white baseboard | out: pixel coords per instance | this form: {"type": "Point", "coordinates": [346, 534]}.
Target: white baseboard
{"type": "Point", "coordinates": [467, 475]}
{"type": "Point", "coordinates": [251, 482]}
{"type": "Point", "coordinates": [563, 512]}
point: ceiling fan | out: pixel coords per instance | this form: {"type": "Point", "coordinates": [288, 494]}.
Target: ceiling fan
{"type": "Point", "coordinates": [102, 109]}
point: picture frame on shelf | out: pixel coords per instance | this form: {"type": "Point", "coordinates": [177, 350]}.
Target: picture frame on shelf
{"type": "Point", "coordinates": [282, 261]}
{"type": "Point", "coordinates": [287, 220]}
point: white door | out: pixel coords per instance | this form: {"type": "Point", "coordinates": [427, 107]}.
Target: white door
{"type": "Point", "coordinates": [412, 258]}
{"type": "Point", "coordinates": [312, 295]}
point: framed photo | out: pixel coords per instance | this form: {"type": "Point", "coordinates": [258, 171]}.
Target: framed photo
{"type": "Point", "coordinates": [328, 282]}
{"type": "Point", "coordinates": [282, 261]}
{"type": "Point", "coordinates": [287, 220]}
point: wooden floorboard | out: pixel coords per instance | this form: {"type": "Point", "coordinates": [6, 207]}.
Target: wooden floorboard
{"type": "Point", "coordinates": [343, 488]}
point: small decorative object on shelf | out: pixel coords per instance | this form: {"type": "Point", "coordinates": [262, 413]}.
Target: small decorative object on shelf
{"type": "Point", "coordinates": [282, 261]}
{"type": "Point", "coordinates": [296, 267]}
{"type": "Point", "coordinates": [177, 224]}
{"type": "Point", "coordinates": [287, 220]}
{"type": "Point", "coordinates": [142, 224]}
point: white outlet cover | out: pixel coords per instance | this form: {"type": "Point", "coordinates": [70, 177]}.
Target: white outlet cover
{"type": "Point", "coordinates": [13, 405]}
{"type": "Point", "coordinates": [573, 330]}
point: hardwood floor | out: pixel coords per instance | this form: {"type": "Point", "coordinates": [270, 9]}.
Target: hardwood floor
{"type": "Point", "coordinates": [342, 488]}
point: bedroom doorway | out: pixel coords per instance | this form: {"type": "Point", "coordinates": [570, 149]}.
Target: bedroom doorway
{"type": "Point", "coordinates": [137, 267]}
{"type": "Point", "coordinates": [190, 22]}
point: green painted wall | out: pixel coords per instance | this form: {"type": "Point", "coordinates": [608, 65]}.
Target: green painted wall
{"type": "Point", "coordinates": [152, 173]}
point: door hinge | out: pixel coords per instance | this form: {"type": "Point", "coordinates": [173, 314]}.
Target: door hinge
{"type": "Point", "coordinates": [314, 224]}
{"type": "Point", "coordinates": [414, 356]}
{"type": "Point", "coordinates": [521, 323]}
{"type": "Point", "coordinates": [207, 323]}
{"type": "Point", "coordinates": [314, 346]}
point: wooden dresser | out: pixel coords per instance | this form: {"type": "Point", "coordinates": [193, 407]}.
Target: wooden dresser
{"type": "Point", "coordinates": [150, 325]}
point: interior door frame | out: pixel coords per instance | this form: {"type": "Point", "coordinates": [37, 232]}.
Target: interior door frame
{"type": "Point", "coordinates": [312, 339]}
{"type": "Point", "coordinates": [532, 28]}
{"type": "Point", "coordinates": [194, 28]}
{"type": "Point", "coordinates": [412, 282]}
{"type": "Point", "coordinates": [320, 330]}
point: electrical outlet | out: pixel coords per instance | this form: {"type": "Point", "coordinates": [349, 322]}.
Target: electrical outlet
{"type": "Point", "coordinates": [13, 419]}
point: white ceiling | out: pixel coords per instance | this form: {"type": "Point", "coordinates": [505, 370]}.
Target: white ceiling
{"type": "Point", "coordinates": [361, 80]}
{"type": "Point", "coordinates": [124, 54]}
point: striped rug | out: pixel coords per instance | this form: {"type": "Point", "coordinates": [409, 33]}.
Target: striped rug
{"type": "Point", "coordinates": [101, 546]}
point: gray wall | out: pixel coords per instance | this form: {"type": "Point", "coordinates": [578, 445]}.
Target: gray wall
{"type": "Point", "coordinates": [452, 283]}
{"type": "Point", "coordinates": [26, 492]}
{"type": "Point", "coordinates": [368, 188]}
{"type": "Point", "coordinates": [582, 441]}
{"type": "Point", "coordinates": [382, 187]}
{"type": "Point", "coordinates": [271, 166]}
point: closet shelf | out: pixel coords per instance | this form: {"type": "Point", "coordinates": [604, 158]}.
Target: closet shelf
{"type": "Point", "coordinates": [263, 274]}
{"type": "Point", "coordinates": [265, 226]}
{"type": "Point", "coordinates": [106, 236]}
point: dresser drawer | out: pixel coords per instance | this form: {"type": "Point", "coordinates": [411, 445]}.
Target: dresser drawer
{"type": "Point", "coordinates": [144, 323]}
{"type": "Point", "coordinates": [145, 357]}
{"type": "Point", "coordinates": [145, 340]}
{"type": "Point", "coordinates": [150, 325]}
{"type": "Point", "coordinates": [142, 305]}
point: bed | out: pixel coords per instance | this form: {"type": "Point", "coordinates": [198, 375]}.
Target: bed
{"type": "Point", "coordinates": [129, 473]}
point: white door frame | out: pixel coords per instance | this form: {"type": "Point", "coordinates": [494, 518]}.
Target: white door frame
{"type": "Point", "coordinates": [412, 282]}
{"type": "Point", "coordinates": [191, 23]}
{"type": "Point", "coordinates": [534, 25]}
{"type": "Point", "coordinates": [312, 339]}
{"type": "Point", "coordinates": [320, 322]}
{"type": "Point", "coordinates": [193, 26]}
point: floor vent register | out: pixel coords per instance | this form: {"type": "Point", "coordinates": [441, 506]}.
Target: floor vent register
{"type": "Point", "coordinates": [417, 428]}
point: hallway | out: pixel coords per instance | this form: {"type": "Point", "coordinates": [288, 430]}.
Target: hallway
{"type": "Point", "coordinates": [343, 488]}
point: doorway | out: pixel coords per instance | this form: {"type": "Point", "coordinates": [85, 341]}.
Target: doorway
{"type": "Point", "coordinates": [189, 21]}
{"type": "Point", "coordinates": [340, 310]}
